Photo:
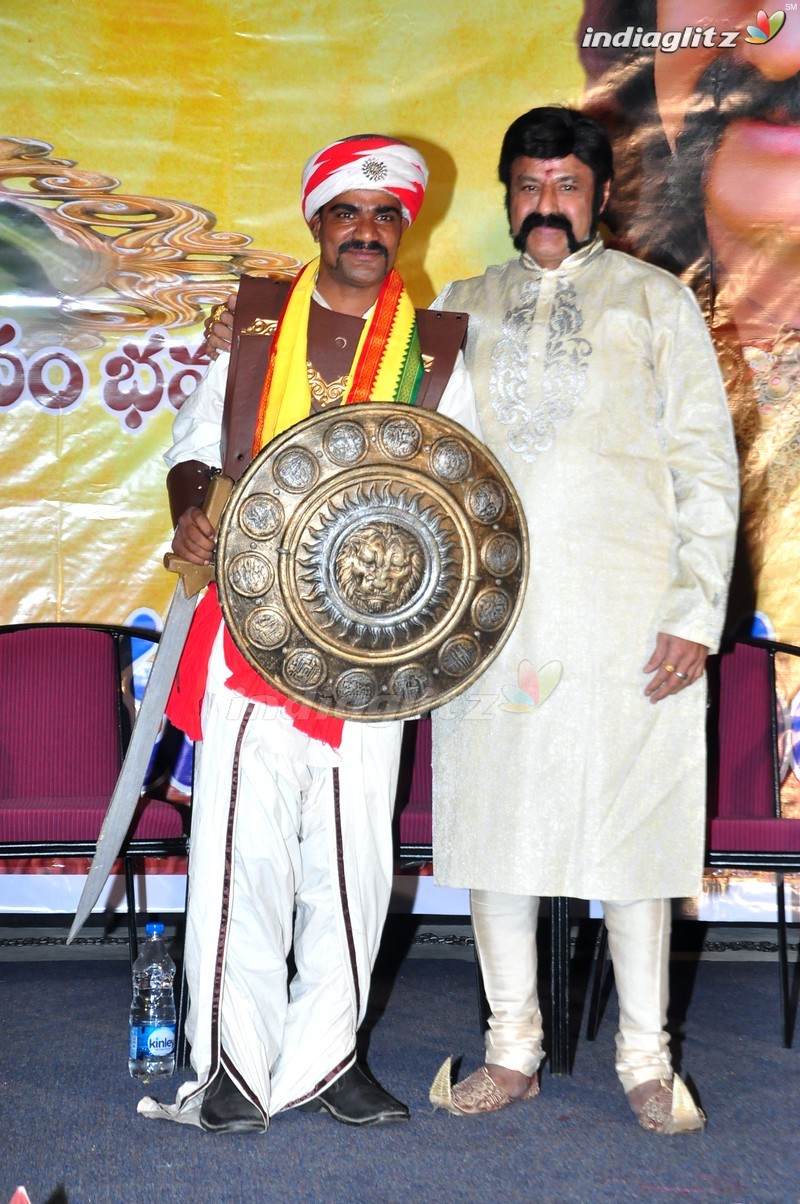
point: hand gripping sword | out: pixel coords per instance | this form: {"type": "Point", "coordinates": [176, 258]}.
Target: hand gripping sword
{"type": "Point", "coordinates": [128, 789]}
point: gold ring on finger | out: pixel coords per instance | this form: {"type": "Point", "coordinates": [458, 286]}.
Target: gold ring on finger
{"type": "Point", "coordinates": [669, 668]}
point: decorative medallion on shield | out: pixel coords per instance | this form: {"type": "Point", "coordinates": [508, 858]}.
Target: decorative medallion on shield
{"type": "Point", "coordinates": [372, 561]}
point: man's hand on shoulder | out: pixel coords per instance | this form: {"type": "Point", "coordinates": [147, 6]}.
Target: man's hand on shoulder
{"type": "Point", "coordinates": [194, 537]}
{"type": "Point", "coordinates": [674, 665]}
{"type": "Point", "coordinates": [219, 327]}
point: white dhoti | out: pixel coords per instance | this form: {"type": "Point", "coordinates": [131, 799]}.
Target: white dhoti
{"type": "Point", "coordinates": [638, 937]}
{"type": "Point", "coordinates": [291, 852]}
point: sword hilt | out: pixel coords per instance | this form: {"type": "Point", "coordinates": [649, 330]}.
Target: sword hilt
{"type": "Point", "coordinates": [196, 576]}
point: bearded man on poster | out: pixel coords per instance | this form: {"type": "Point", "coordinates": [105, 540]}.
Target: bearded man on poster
{"type": "Point", "coordinates": [707, 146]}
{"type": "Point", "coordinates": [292, 809]}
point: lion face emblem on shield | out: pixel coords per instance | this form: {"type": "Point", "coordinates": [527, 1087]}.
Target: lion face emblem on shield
{"type": "Point", "coordinates": [379, 567]}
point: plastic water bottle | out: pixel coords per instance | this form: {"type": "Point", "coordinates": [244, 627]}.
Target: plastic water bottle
{"type": "Point", "coordinates": [151, 1053]}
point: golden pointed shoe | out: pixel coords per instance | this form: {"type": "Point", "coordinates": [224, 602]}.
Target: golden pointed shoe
{"type": "Point", "coordinates": [670, 1109]}
{"type": "Point", "coordinates": [478, 1092]}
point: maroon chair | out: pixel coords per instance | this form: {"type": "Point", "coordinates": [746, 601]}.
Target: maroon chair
{"type": "Point", "coordinates": [66, 711]}
{"type": "Point", "coordinates": [749, 736]}
{"type": "Point", "coordinates": [415, 822]}
{"type": "Point", "coordinates": [750, 757]}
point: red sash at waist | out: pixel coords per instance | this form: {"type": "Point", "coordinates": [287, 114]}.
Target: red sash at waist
{"type": "Point", "coordinates": [186, 697]}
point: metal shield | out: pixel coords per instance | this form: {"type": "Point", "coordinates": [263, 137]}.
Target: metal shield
{"type": "Point", "coordinates": [372, 561]}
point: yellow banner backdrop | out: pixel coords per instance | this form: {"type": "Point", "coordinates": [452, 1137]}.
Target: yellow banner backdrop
{"type": "Point", "coordinates": [147, 163]}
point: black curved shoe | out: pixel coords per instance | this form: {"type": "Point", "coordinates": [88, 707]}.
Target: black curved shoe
{"type": "Point", "coordinates": [356, 1099]}
{"type": "Point", "coordinates": [225, 1110]}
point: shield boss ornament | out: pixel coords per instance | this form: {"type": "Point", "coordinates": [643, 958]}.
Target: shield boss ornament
{"type": "Point", "coordinates": [372, 561]}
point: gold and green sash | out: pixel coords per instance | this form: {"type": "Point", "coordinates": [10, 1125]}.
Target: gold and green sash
{"type": "Point", "coordinates": [387, 365]}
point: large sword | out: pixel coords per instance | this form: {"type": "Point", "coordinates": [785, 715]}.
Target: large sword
{"type": "Point", "coordinates": [128, 789]}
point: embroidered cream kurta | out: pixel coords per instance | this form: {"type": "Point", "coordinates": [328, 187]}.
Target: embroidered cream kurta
{"type": "Point", "coordinates": [598, 390]}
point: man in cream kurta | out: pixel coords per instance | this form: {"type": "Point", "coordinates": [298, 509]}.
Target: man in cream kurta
{"type": "Point", "coordinates": [576, 766]}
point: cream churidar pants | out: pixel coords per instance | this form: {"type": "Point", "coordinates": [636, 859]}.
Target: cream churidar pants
{"type": "Point", "coordinates": [638, 937]}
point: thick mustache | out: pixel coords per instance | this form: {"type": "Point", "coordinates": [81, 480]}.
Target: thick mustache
{"type": "Point", "coordinates": [358, 244]}
{"type": "Point", "coordinates": [735, 91]}
{"type": "Point", "coordinates": [727, 91]}
{"type": "Point", "coordinates": [535, 221]}
{"type": "Point", "coordinates": [556, 220]}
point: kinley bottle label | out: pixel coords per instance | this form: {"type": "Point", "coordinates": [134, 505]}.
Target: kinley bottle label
{"type": "Point", "coordinates": [152, 1041]}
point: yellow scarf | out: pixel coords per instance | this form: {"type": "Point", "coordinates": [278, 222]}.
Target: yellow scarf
{"type": "Point", "coordinates": [387, 365]}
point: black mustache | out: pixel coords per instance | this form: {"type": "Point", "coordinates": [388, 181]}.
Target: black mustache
{"type": "Point", "coordinates": [727, 91]}
{"type": "Point", "coordinates": [358, 244]}
{"type": "Point", "coordinates": [535, 221]}
{"type": "Point", "coordinates": [731, 91]}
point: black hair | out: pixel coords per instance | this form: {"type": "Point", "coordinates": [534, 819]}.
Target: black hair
{"type": "Point", "coordinates": [554, 132]}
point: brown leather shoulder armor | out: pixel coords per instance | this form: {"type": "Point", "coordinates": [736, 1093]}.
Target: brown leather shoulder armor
{"type": "Point", "coordinates": [441, 336]}
{"type": "Point", "coordinates": [258, 307]}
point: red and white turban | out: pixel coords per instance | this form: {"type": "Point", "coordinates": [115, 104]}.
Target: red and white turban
{"type": "Point", "coordinates": [365, 161]}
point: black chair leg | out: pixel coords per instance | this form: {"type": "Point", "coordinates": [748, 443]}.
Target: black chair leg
{"type": "Point", "coordinates": [783, 965]}
{"type": "Point", "coordinates": [130, 899]}
{"type": "Point", "coordinates": [598, 983]}
{"type": "Point", "coordinates": [559, 986]}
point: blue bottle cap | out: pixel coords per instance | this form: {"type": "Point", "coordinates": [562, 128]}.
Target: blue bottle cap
{"type": "Point", "coordinates": [154, 929]}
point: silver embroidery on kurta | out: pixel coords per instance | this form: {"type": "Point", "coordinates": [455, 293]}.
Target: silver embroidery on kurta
{"type": "Point", "coordinates": [563, 378]}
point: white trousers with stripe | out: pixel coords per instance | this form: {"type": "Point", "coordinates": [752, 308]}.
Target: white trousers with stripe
{"type": "Point", "coordinates": [291, 851]}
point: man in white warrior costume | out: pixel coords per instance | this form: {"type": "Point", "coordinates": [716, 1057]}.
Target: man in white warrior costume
{"type": "Point", "coordinates": [292, 809]}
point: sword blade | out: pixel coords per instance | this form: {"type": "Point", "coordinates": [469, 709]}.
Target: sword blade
{"type": "Point", "coordinates": [128, 789]}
